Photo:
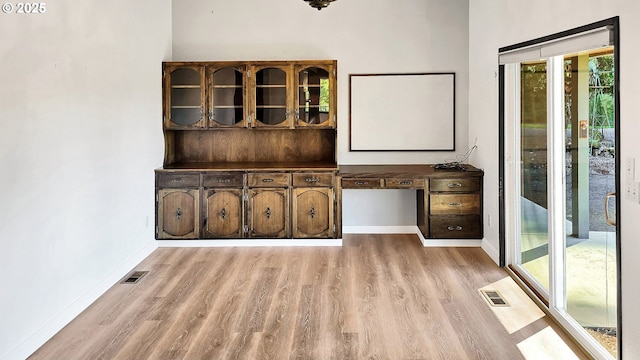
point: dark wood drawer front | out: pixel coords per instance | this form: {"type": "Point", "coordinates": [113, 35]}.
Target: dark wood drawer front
{"type": "Point", "coordinates": [178, 180]}
{"type": "Point", "coordinates": [362, 183]}
{"type": "Point", "coordinates": [217, 180]}
{"type": "Point", "coordinates": [454, 204]}
{"type": "Point", "coordinates": [456, 227]}
{"type": "Point", "coordinates": [268, 180]}
{"type": "Point", "coordinates": [313, 179]}
{"type": "Point", "coordinates": [451, 185]}
{"type": "Point", "coordinates": [404, 183]}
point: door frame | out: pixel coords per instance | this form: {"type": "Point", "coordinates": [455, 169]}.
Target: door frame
{"type": "Point", "coordinates": [613, 24]}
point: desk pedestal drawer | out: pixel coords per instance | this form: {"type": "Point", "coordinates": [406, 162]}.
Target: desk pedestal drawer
{"type": "Point", "coordinates": [456, 185]}
{"type": "Point", "coordinates": [455, 204]}
{"type": "Point", "coordinates": [455, 227]}
{"type": "Point", "coordinates": [405, 183]}
{"type": "Point", "coordinates": [362, 183]}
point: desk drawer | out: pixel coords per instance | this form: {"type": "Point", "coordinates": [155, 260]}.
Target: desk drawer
{"type": "Point", "coordinates": [454, 185]}
{"type": "Point", "coordinates": [454, 204]}
{"type": "Point", "coordinates": [455, 227]}
{"type": "Point", "coordinates": [268, 179]}
{"type": "Point", "coordinates": [312, 179]}
{"type": "Point", "coordinates": [396, 183]}
{"type": "Point", "coordinates": [216, 180]}
{"type": "Point", "coordinates": [179, 180]}
{"type": "Point", "coordinates": [362, 183]}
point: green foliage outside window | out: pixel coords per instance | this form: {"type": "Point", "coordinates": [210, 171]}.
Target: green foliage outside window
{"type": "Point", "coordinates": [324, 95]}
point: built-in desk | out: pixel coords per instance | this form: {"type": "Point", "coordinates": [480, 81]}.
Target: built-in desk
{"type": "Point", "coordinates": [449, 202]}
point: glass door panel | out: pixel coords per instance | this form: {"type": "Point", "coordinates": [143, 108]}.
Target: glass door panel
{"type": "Point", "coordinates": [271, 98]}
{"type": "Point", "coordinates": [590, 249]}
{"type": "Point", "coordinates": [534, 230]}
{"type": "Point", "coordinates": [186, 97]}
{"type": "Point", "coordinates": [227, 97]}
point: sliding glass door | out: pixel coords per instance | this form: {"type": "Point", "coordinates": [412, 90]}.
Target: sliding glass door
{"type": "Point", "coordinates": [560, 179]}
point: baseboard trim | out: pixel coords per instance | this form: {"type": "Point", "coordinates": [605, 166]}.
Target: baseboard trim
{"type": "Point", "coordinates": [411, 230]}
{"type": "Point", "coordinates": [249, 243]}
{"type": "Point", "coordinates": [492, 251]}
{"type": "Point", "coordinates": [33, 342]}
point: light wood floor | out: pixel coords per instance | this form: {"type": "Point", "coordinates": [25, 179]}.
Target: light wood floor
{"type": "Point", "coordinates": [377, 297]}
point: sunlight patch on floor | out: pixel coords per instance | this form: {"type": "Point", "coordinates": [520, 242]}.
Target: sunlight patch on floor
{"type": "Point", "coordinates": [545, 344]}
{"type": "Point", "coordinates": [522, 310]}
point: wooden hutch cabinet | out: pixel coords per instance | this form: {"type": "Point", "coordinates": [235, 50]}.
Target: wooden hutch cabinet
{"type": "Point", "coordinates": [250, 150]}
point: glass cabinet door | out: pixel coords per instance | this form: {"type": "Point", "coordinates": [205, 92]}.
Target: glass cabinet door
{"type": "Point", "coordinates": [227, 97]}
{"type": "Point", "coordinates": [314, 105]}
{"type": "Point", "coordinates": [271, 97]}
{"type": "Point", "coordinates": [185, 97]}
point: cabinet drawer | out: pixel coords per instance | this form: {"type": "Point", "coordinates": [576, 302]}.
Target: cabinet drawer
{"type": "Point", "coordinates": [178, 180]}
{"type": "Point", "coordinates": [404, 183]}
{"type": "Point", "coordinates": [450, 185]}
{"type": "Point", "coordinates": [313, 179]}
{"type": "Point", "coordinates": [362, 183]}
{"type": "Point", "coordinates": [454, 204]}
{"type": "Point", "coordinates": [268, 179]}
{"type": "Point", "coordinates": [223, 180]}
{"type": "Point", "coordinates": [455, 227]}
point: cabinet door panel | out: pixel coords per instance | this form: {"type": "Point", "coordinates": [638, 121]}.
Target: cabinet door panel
{"type": "Point", "coordinates": [272, 100]}
{"type": "Point", "coordinates": [268, 214]}
{"type": "Point", "coordinates": [223, 213]}
{"type": "Point", "coordinates": [226, 96]}
{"type": "Point", "coordinates": [178, 214]}
{"type": "Point", "coordinates": [315, 94]}
{"type": "Point", "coordinates": [184, 97]}
{"type": "Point", "coordinates": [313, 212]}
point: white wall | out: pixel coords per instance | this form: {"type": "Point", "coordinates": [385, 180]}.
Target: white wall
{"type": "Point", "coordinates": [365, 36]}
{"type": "Point", "coordinates": [498, 23]}
{"type": "Point", "coordinates": [80, 96]}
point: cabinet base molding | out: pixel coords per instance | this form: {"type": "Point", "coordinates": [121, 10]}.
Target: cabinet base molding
{"type": "Point", "coordinates": [448, 242]}
{"type": "Point", "coordinates": [249, 242]}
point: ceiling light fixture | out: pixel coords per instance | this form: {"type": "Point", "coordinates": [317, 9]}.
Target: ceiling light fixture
{"type": "Point", "coordinates": [319, 4]}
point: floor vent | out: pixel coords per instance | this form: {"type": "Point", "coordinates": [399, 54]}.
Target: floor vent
{"type": "Point", "coordinates": [494, 298]}
{"type": "Point", "coordinates": [133, 277]}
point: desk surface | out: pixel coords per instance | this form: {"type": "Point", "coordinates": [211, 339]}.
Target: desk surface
{"type": "Point", "coordinates": [405, 171]}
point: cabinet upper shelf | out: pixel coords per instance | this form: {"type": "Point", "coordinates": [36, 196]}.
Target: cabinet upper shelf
{"type": "Point", "coordinates": [265, 94]}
